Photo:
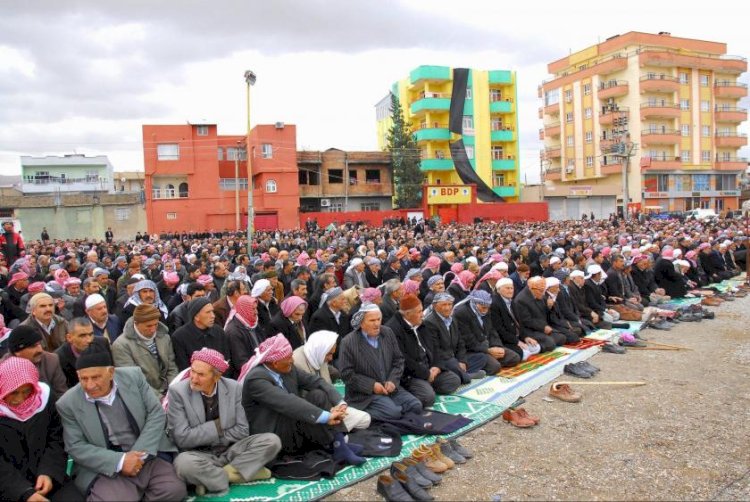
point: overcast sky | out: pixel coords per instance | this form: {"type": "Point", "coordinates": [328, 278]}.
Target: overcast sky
{"type": "Point", "coordinates": [85, 75]}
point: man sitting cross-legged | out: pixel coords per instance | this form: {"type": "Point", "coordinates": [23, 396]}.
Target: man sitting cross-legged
{"type": "Point", "coordinates": [209, 426]}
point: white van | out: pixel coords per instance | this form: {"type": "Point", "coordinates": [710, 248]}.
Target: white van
{"type": "Point", "coordinates": [701, 214]}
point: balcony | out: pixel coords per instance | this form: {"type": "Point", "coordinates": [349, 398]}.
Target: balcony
{"type": "Point", "coordinates": [730, 140]}
{"type": "Point", "coordinates": [431, 101]}
{"type": "Point", "coordinates": [661, 162]}
{"type": "Point", "coordinates": [502, 106]}
{"type": "Point", "coordinates": [433, 132]}
{"type": "Point", "coordinates": [436, 164]}
{"type": "Point", "coordinates": [730, 114]}
{"type": "Point", "coordinates": [612, 89]}
{"type": "Point", "coordinates": [731, 164]}
{"type": "Point", "coordinates": [430, 73]}
{"type": "Point", "coordinates": [541, 134]}
{"type": "Point", "coordinates": [505, 135]}
{"type": "Point", "coordinates": [506, 191]}
{"type": "Point", "coordinates": [552, 130]}
{"type": "Point", "coordinates": [553, 174]}
{"type": "Point", "coordinates": [606, 144]}
{"type": "Point", "coordinates": [660, 110]}
{"type": "Point", "coordinates": [507, 163]}
{"type": "Point", "coordinates": [672, 58]}
{"type": "Point", "coordinates": [552, 152]}
{"type": "Point", "coordinates": [611, 169]}
{"type": "Point", "coordinates": [610, 115]}
{"type": "Point", "coordinates": [660, 137]}
{"type": "Point", "coordinates": [553, 109]}
{"type": "Point", "coordinates": [500, 77]}
{"type": "Point", "coordinates": [727, 89]}
{"type": "Point", "coordinates": [63, 184]}
{"type": "Point", "coordinates": [659, 83]}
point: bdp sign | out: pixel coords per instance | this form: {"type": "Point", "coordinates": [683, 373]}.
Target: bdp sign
{"type": "Point", "coordinates": [448, 194]}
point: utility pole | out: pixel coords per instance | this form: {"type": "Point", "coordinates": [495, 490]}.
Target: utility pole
{"type": "Point", "coordinates": [625, 150]}
{"type": "Point", "coordinates": [237, 188]}
{"type": "Point", "coordinates": [250, 79]}
{"type": "Point", "coordinates": [346, 182]}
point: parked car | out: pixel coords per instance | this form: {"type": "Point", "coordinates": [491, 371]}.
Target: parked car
{"type": "Point", "coordinates": [701, 214]}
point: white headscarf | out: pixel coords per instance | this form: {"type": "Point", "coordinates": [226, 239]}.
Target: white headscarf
{"type": "Point", "coordinates": [259, 287]}
{"type": "Point", "coordinates": [318, 345]}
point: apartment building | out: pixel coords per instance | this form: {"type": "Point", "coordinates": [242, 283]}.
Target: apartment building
{"type": "Point", "coordinates": [466, 127]}
{"type": "Point", "coordinates": [339, 181]}
{"type": "Point", "coordinates": [72, 173]}
{"type": "Point", "coordinates": [667, 107]}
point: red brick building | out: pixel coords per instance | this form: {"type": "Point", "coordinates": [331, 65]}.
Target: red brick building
{"type": "Point", "coordinates": [190, 177]}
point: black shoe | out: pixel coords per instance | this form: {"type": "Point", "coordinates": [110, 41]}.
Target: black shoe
{"type": "Point", "coordinates": [636, 343]}
{"type": "Point", "coordinates": [424, 471]}
{"type": "Point", "coordinates": [589, 367]}
{"type": "Point", "coordinates": [707, 314]}
{"type": "Point", "coordinates": [576, 371]}
{"type": "Point", "coordinates": [448, 451]}
{"type": "Point", "coordinates": [460, 449]}
{"type": "Point", "coordinates": [660, 325]}
{"type": "Point", "coordinates": [621, 325]}
{"type": "Point", "coordinates": [410, 470]}
{"type": "Point", "coordinates": [412, 488]}
{"type": "Point", "coordinates": [392, 490]}
{"type": "Point", "coordinates": [613, 349]}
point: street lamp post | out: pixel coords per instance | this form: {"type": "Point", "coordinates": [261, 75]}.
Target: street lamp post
{"type": "Point", "coordinates": [249, 81]}
{"type": "Point", "coordinates": [237, 188]}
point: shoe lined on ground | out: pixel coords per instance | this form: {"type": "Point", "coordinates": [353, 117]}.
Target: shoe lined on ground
{"type": "Point", "coordinates": [516, 419]}
{"type": "Point", "coordinates": [411, 470]}
{"type": "Point", "coordinates": [589, 367]}
{"type": "Point", "coordinates": [634, 343]}
{"type": "Point", "coordinates": [564, 392]}
{"type": "Point", "coordinates": [576, 371]}
{"type": "Point", "coordinates": [660, 325]}
{"type": "Point", "coordinates": [392, 490]}
{"type": "Point", "coordinates": [425, 456]}
{"type": "Point", "coordinates": [411, 487]}
{"type": "Point", "coordinates": [462, 450]}
{"type": "Point", "coordinates": [621, 325]}
{"type": "Point", "coordinates": [525, 414]}
{"type": "Point", "coordinates": [707, 314]}
{"type": "Point", "coordinates": [613, 349]}
{"type": "Point", "coordinates": [447, 450]}
{"type": "Point", "coordinates": [423, 470]}
{"type": "Point", "coordinates": [438, 454]}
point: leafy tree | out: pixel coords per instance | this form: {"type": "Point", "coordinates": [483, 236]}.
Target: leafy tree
{"type": "Point", "coordinates": [407, 175]}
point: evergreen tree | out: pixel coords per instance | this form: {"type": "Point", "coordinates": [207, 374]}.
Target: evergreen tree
{"type": "Point", "coordinates": [407, 175]}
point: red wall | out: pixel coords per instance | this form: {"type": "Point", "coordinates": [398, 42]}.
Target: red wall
{"type": "Point", "coordinates": [508, 211]}
{"type": "Point", "coordinates": [370, 217]}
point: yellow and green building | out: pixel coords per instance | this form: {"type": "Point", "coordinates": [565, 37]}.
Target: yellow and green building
{"type": "Point", "coordinates": [466, 126]}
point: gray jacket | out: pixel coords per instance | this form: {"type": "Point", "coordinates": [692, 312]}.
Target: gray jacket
{"type": "Point", "coordinates": [129, 350]}
{"type": "Point", "coordinates": [84, 435]}
{"type": "Point", "coordinates": [186, 417]}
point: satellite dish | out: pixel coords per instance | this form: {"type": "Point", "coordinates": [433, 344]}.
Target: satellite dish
{"type": "Point", "coordinates": [123, 180]}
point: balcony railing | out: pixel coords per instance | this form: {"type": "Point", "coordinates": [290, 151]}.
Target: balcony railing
{"type": "Point", "coordinates": [64, 180]}
{"type": "Point", "coordinates": [167, 193]}
{"type": "Point", "coordinates": [727, 83]}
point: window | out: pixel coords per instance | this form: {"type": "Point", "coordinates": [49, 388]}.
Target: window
{"type": "Point", "coordinates": [571, 164]}
{"type": "Point", "coordinates": [569, 140]}
{"type": "Point", "coordinates": [335, 176]}
{"type": "Point", "coordinates": [726, 182]}
{"type": "Point", "coordinates": [684, 104]}
{"type": "Point", "coordinates": [168, 151]}
{"type": "Point", "coordinates": [309, 177]}
{"type": "Point", "coordinates": [589, 136]}
{"type": "Point", "coordinates": [662, 182]}
{"type": "Point", "coordinates": [569, 117]}
{"type": "Point", "coordinates": [704, 80]}
{"type": "Point", "coordinates": [497, 153]}
{"type": "Point", "coordinates": [568, 96]}
{"type": "Point", "coordinates": [499, 180]}
{"type": "Point", "coordinates": [370, 206]}
{"type": "Point", "coordinates": [271, 186]}
{"type": "Point", "coordinates": [719, 205]}
{"type": "Point", "coordinates": [183, 190]}
{"type": "Point", "coordinates": [169, 191]}
{"type": "Point", "coordinates": [700, 182]}
{"type": "Point", "coordinates": [685, 156]}
{"type": "Point", "coordinates": [202, 130]}
{"type": "Point", "coordinates": [586, 89]}
{"type": "Point", "coordinates": [705, 155]}
{"type": "Point", "coordinates": [230, 183]}
{"type": "Point", "coordinates": [705, 204]}
{"type": "Point", "coordinates": [705, 105]}
{"type": "Point", "coordinates": [220, 153]}
{"type": "Point", "coordinates": [171, 216]}
{"type": "Point", "coordinates": [497, 95]}
{"type": "Point", "coordinates": [589, 161]}
{"type": "Point", "coordinates": [91, 177]}
{"type": "Point", "coordinates": [122, 213]}
{"type": "Point", "coordinates": [706, 131]}
{"type": "Point", "coordinates": [467, 124]}
{"type": "Point", "coordinates": [726, 156]}
{"type": "Point", "coordinates": [468, 96]}
{"type": "Point", "coordinates": [353, 176]}
{"type": "Point", "coordinates": [587, 113]}
{"type": "Point", "coordinates": [234, 153]}
{"type": "Point", "coordinates": [336, 207]}
{"type": "Point", "coordinates": [372, 176]}
{"type": "Point", "coordinates": [550, 98]}
{"type": "Point", "coordinates": [683, 77]}
{"type": "Point", "coordinates": [685, 129]}
{"type": "Point", "coordinates": [266, 151]}
{"type": "Point", "coordinates": [470, 152]}
{"type": "Point", "coordinates": [496, 124]}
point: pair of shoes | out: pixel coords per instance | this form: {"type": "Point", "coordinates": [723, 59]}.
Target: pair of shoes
{"type": "Point", "coordinates": [433, 462]}
{"type": "Point", "coordinates": [613, 349]}
{"type": "Point", "coordinates": [392, 490]}
{"type": "Point", "coordinates": [707, 314]}
{"type": "Point", "coordinates": [564, 392]}
{"type": "Point", "coordinates": [517, 419]}
{"type": "Point", "coordinates": [446, 448]}
{"type": "Point", "coordinates": [411, 471]}
{"type": "Point", "coordinates": [525, 414]}
{"type": "Point", "coordinates": [711, 301]}
{"type": "Point", "coordinates": [692, 317]}
{"type": "Point", "coordinates": [423, 470]}
{"type": "Point", "coordinates": [589, 367]}
{"type": "Point", "coordinates": [478, 375]}
{"type": "Point", "coordinates": [631, 343]}
{"type": "Point", "coordinates": [621, 325]}
{"type": "Point", "coordinates": [201, 491]}
{"type": "Point", "coordinates": [660, 325]}
{"type": "Point", "coordinates": [577, 371]}
{"type": "Point", "coordinates": [460, 449]}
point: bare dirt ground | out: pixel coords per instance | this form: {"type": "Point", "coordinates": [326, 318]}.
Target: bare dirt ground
{"type": "Point", "coordinates": [685, 435]}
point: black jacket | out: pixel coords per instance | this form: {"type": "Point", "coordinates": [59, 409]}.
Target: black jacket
{"type": "Point", "coordinates": [281, 324]}
{"type": "Point", "coordinates": [644, 281]}
{"type": "Point", "coordinates": [477, 337]}
{"type": "Point", "coordinates": [242, 342]}
{"type": "Point", "coordinates": [507, 329]}
{"type": "Point", "coordinates": [190, 338]}
{"type": "Point", "coordinates": [323, 318]}
{"type": "Point", "coordinates": [68, 359]}
{"type": "Point", "coordinates": [530, 312]}
{"type": "Point", "coordinates": [578, 297]}
{"type": "Point", "coordinates": [595, 297]}
{"type": "Point", "coordinates": [417, 351]}
{"type": "Point", "coordinates": [446, 343]}
{"type": "Point", "coordinates": [668, 278]}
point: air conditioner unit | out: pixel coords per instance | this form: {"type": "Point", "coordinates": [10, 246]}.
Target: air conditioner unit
{"type": "Point", "coordinates": [325, 202]}
{"type": "Point", "coordinates": [569, 169]}
{"type": "Point", "coordinates": [279, 125]}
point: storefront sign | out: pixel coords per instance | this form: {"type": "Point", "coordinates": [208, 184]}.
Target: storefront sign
{"type": "Point", "coordinates": [448, 194]}
{"type": "Point", "coordinates": [581, 191]}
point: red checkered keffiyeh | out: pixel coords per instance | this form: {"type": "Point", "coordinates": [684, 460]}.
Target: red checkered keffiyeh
{"type": "Point", "coordinates": [272, 349]}
{"type": "Point", "coordinates": [211, 357]}
{"type": "Point", "coordinates": [16, 372]}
